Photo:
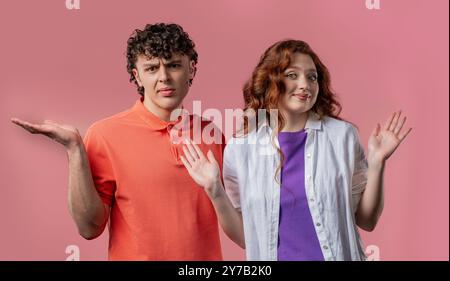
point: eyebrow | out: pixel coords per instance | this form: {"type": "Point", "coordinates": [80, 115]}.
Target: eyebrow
{"type": "Point", "coordinates": [156, 64]}
{"type": "Point", "coordinates": [308, 70]}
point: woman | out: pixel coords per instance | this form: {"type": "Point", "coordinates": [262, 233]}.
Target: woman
{"type": "Point", "coordinates": [302, 194]}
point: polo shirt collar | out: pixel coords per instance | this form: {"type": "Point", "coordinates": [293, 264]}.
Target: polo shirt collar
{"type": "Point", "coordinates": [153, 121]}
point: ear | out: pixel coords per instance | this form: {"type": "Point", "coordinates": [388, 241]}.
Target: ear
{"type": "Point", "coordinates": [192, 69]}
{"type": "Point", "coordinates": [136, 76]}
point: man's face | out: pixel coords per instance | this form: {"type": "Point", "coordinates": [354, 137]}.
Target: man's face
{"type": "Point", "coordinates": [166, 82]}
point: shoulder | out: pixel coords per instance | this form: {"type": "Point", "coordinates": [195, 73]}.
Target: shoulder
{"type": "Point", "coordinates": [244, 145]}
{"type": "Point", "coordinates": [336, 125]}
{"type": "Point", "coordinates": [109, 125]}
{"type": "Point", "coordinates": [339, 129]}
{"type": "Point", "coordinates": [235, 147]}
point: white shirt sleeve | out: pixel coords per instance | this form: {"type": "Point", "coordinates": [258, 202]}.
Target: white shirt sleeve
{"type": "Point", "coordinates": [230, 177]}
{"type": "Point", "coordinates": [359, 178]}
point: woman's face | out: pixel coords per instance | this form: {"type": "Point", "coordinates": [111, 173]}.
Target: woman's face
{"type": "Point", "coordinates": [302, 85]}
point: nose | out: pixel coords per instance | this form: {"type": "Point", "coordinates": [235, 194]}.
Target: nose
{"type": "Point", "coordinates": [303, 83]}
{"type": "Point", "coordinates": [163, 74]}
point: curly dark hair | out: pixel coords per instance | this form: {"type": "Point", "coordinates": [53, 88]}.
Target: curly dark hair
{"type": "Point", "coordinates": [158, 40]}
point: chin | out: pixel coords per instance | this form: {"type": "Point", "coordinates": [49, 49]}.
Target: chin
{"type": "Point", "coordinates": [298, 109]}
{"type": "Point", "coordinates": [170, 104]}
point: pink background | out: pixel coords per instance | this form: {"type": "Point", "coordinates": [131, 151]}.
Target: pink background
{"type": "Point", "coordinates": [69, 66]}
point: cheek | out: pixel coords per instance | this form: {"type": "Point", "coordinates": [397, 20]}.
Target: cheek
{"type": "Point", "coordinates": [315, 88]}
{"type": "Point", "coordinates": [179, 76]}
{"type": "Point", "coordinates": [290, 86]}
{"type": "Point", "coordinates": [314, 100]}
{"type": "Point", "coordinates": [148, 79]}
{"type": "Point", "coordinates": [287, 101]}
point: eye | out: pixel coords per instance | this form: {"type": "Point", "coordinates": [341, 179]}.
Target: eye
{"type": "Point", "coordinates": [151, 68]}
{"type": "Point", "coordinates": [313, 77]}
{"type": "Point", "coordinates": [291, 75]}
{"type": "Point", "coordinates": [175, 65]}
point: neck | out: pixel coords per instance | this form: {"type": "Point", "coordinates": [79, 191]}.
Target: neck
{"type": "Point", "coordinates": [294, 122]}
{"type": "Point", "coordinates": [161, 113]}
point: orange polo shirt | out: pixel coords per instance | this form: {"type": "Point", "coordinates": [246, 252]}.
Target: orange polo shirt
{"type": "Point", "coordinates": [157, 211]}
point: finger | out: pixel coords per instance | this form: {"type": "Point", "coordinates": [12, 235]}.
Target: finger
{"type": "Point", "coordinates": [19, 122]}
{"type": "Point", "coordinates": [400, 126]}
{"type": "Point", "coordinates": [27, 127]}
{"type": "Point", "coordinates": [185, 163]}
{"type": "Point", "coordinates": [198, 150]}
{"type": "Point", "coordinates": [211, 157]}
{"type": "Point", "coordinates": [376, 130]}
{"type": "Point", "coordinates": [188, 156]}
{"type": "Point", "coordinates": [404, 134]}
{"type": "Point", "coordinates": [37, 128]}
{"type": "Point", "coordinates": [32, 128]}
{"type": "Point", "coordinates": [394, 121]}
{"type": "Point", "coordinates": [192, 149]}
{"type": "Point", "coordinates": [389, 121]}
{"type": "Point", "coordinates": [15, 120]}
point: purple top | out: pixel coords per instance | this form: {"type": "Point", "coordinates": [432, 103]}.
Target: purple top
{"type": "Point", "coordinates": [297, 238]}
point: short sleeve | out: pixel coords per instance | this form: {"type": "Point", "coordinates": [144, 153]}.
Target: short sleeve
{"type": "Point", "coordinates": [359, 177]}
{"type": "Point", "coordinates": [100, 164]}
{"type": "Point", "coordinates": [230, 176]}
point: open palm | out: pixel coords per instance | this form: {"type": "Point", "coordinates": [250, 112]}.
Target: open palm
{"type": "Point", "coordinates": [384, 141]}
{"type": "Point", "coordinates": [205, 171]}
{"type": "Point", "coordinates": [66, 135]}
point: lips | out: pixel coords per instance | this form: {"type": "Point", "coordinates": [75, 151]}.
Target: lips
{"type": "Point", "coordinates": [302, 97]}
{"type": "Point", "coordinates": [166, 92]}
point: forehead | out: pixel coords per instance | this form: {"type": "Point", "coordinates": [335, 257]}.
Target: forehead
{"type": "Point", "coordinates": [302, 61]}
{"type": "Point", "coordinates": [175, 57]}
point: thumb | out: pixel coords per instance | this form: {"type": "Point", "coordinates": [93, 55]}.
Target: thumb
{"type": "Point", "coordinates": [210, 156]}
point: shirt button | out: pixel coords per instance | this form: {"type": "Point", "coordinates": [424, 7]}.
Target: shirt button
{"type": "Point", "coordinates": [312, 199]}
{"type": "Point", "coordinates": [308, 155]}
{"type": "Point", "coordinates": [325, 247]}
{"type": "Point", "coordinates": [318, 224]}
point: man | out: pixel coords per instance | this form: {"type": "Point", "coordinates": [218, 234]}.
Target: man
{"type": "Point", "coordinates": [128, 172]}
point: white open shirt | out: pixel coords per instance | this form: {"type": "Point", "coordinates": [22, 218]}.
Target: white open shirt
{"type": "Point", "coordinates": [335, 177]}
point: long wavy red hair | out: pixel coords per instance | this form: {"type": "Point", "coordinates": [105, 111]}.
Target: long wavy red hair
{"type": "Point", "coordinates": [265, 87]}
